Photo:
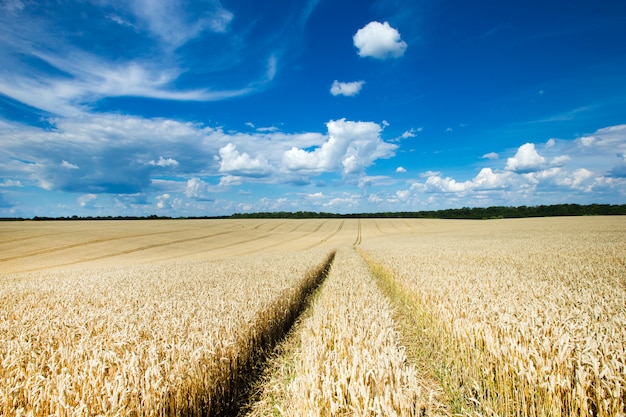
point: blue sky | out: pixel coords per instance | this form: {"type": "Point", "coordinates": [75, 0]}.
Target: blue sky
{"type": "Point", "coordinates": [188, 108]}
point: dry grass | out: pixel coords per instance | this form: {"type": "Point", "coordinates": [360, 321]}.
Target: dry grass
{"type": "Point", "coordinates": [174, 339]}
{"type": "Point", "coordinates": [530, 314]}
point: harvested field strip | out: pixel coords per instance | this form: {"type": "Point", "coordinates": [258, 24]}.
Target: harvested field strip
{"type": "Point", "coordinates": [99, 241]}
{"type": "Point", "coordinates": [330, 236]}
{"type": "Point", "coordinates": [273, 245]}
{"type": "Point", "coordinates": [179, 339]}
{"type": "Point", "coordinates": [129, 251]}
{"type": "Point", "coordinates": [274, 227]}
{"type": "Point", "coordinates": [348, 360]}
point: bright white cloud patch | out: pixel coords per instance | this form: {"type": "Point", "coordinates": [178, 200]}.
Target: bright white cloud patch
{"type": "Point", "coordinates": [163, 162]}
{"type": "Point", "coordinates": [234, 162]}
{"type": "Point", "coordinates": [68, 165]}
{"type": "Point", "coordinates": [379, 40]}
{"type": "Point", "coordinates": [163, 200]}
{"type": "Point", "coordinates": [351, 147]}
{"type": "Point", "coordinates": [491, 155]}
{"type": "Point", "coordinates": [401, 170]}
{"type": "Point", "coordinates": [346, 89]}
{"type": "Point", "coordinates": [197, 189]}
{"type": "Point", "coordinates": [526, 159]}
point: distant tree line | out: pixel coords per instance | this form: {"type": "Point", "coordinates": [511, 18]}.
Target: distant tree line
{"type": "Point", "coordinates": [494, 212]}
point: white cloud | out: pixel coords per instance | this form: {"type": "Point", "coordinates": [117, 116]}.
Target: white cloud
{"type": "Point", "coordinates": [346, 89]}
{"type": "Point", "coordinates": [379, 40]}
{"type": "Point", "coordinates": [403, 194]}
{"type": "Point", "coordinates": [447, 185]}
{"type": "Point", "coordinates": [119, 154]}
{"type": "Point", "coordinates": [234, 162]}
{"type": "Point", "coordinates": [351, 147]}
{"type": "Point", "coordinates": [526, 159]}
{"type": "Point", "coordinates": [10, 183]}
{"type": "Point", "coordinates": [162, 162]}
{"type": "Point", "coordinates": [163, 200]}
{"type": "Point", "coordinates": [94, 67]}
{"type": "Point", "coordinates": [578, 177]}
{"type": "Point", "coordinates": [410, 133]}
{"type": "Point", "coordinates": [230, 180]}
{"type": "Point", "coordinates": [401, 170]}
{"type": "Point", "coordinates": [491, 155]}
{"type": "Point", "coordinates": [559, 160]}
{"type": "Point", "coordinates": [86, 200]}
{"type": "Point", "coordinates": [488, 179]}
{"type": "Point", "coordinates": [268, 129]}
{"type": "Point", "coordinates": [67, 165]}
{"type": "Point", "coordinates": [316, 196]}
{"type": "Point", "coordinates": [197, 189]}
{"type": "Point", "coordinates": [604, 139]}
{"type": "Point", "coordinates": [343, 202]}
{"type": "Point", "coordinates": [169, 20]}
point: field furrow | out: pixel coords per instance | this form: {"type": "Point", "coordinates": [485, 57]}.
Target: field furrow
{"type": "Point", "coordinates": [348, 360]}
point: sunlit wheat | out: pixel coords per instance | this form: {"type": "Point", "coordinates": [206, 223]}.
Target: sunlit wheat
{"type": "Point", "coordinates": [173, 339]}
{"type": "Point", "coordinates": [531, 314]}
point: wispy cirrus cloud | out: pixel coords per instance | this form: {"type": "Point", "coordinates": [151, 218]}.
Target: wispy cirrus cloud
{"type": "Point", "coordinates": [137, 49]}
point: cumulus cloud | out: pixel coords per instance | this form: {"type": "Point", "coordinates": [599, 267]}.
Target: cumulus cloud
{"type": "Point", "coordinates": [491, 155]}
{"type": "Point", "coordinates": [351, 147]}
{"type": "Point", "coordinates": [197, 189]}
{"type": "Point", "coordinates": [379, 40]}
{"type": "Point", "coordinates": [118, 154]}
{"type": "Point", "coordinates": [234, 162]}
{"type": "Point", "coordinates": [526, 159]}
{"type": "Point", "coordinates": [401, 170]}
{"type": "Point", "coordinates": [346, 89]}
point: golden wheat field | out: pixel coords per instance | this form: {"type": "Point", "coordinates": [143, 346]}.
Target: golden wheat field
{"type": "Point", "coordinates": [320, 317]}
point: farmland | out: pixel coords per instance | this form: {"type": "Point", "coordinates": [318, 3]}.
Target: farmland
{"type": "Point", "coordinates": [172, 317]}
